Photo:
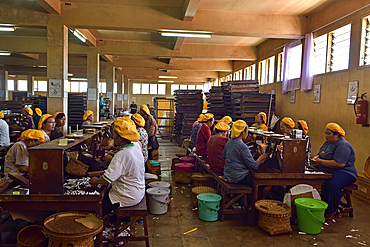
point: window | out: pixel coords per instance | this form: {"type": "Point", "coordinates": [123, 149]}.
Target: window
{"type": "Point", "coordinates": [266, 71]}
{"type": "Point", "coordinates": [191, 87]}
{"type": "Point", "coordinates": [199, 87]}
{"type": "Point", "coordinates": [250, 72]}
{"type": "Point", "coordinates": [22, 85]}
{"type": "Point", "coordinates": [83, 86]}
{"type": "Point", "coordinates": [183, 87]}
{"type": "Point", "coordinates": [270, 69]}
{"type": "Point", "coordinates": [75, 86]}
{"type": "Point", "coordinates": [262, 76]}
{"type": "Point", "coordinates": [340, 41]}
{"type": "Point", "coordinates": [123, 87]}
{"type": "Point", "coordinates": [67, 86]}
{"type": "Point", "coordinates": [238, 75]}
{"type": "Point", "coordinates": [153, 89]}
{"type": "Point", "coordinates": [102, 87]}
{"type": "Point", "coordinates": [162, 89]}
{"type": "Point", "coordinates": [280, 66]}
{"type": "Point", "coordinates": [115, 87]}
{"type": "Point", "coordinates": [144, 88]}
{"type": "Point", "coordinates": [136, 88]}
{"type": "Point", "coordinates": [42, 86]}
{"type": "Point", "coordinates": [173, 88]}
{"type": "Point", "coordinates": [10, 85]}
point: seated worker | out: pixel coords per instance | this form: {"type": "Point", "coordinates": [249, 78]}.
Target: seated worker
{"type": "Point", "coordinates": [17, 158]}
{"type": "Point", "coordinates": [126, 170]}
{"type": "Point", "coordinates": [27, 122]}
{"type": "Point", "coordinates": [204, 133]}
{"type": "Point", "coordinates": [88, 117]}
{"type": "Point", "coordinates": [60, 121]}
{"type": "Point", "coordinates": [260, 123]}
{"type": "Point", "coordinates": [194, 131]}
{"type": "Point", "coordinates": [238, 158]}
{"type": "Point", "coordinates": [140, 123]}
{"type": "Point", "coordinates": [215, 146]}
{"type": "Point", "coordinates": [302, 125]}
{"type": "Point", "coordinates": [4, 132]}
{"type": "Point", "coordinates": [286, 126]}
{"type": "Point", "coordinates": [37, 116]}
{"type": "Point", "coordinates": [336, 156]}
{"type": "Point", "coordinates": [229, 121]}
{"type": "Point", "coordinates": [46, 125]}
{"type": "Point", "coordinates": [151, 127]}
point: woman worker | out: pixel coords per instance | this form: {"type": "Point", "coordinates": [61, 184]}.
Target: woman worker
{"type": "Point", "coordinates": [229, 121]}
{"type": "Point", "coordinates": [126, 170]}
{"type": "Point", "coordinates": [4, 132]}
{"type": "Point", "coordinates": [17, 158]}
{"type": "Point", "coordinates": [238, 158]}
{"type": "Point", "coordinates": [60, 121]}
{"type": "Point", "coordinates": [204, 134]}
{"type": "Point", "coordinates": [302, 125]}
{"type": "Point", "coordinates": [194, 131]}
{"type": "Point", "coordinates": [140, 123]}
{"type": "Point", "coordinates": [336, 156]}
{"type": "Point", "coordinates": [286, 126]}
{"type": "Point", "coordinates": [88, 117]}
{"type": "Point", "coordinates": [215, 146]}
{"type": "Point", "coordinates": [27, 122]}
{"type": "Point", "coordinates": [37, 116]}
{"type": "Point", "coordinates": [151, 127]}
{"type": "Point", "coordinates": [260, 123]}
{"type": "Point", "coordinates": [46, 125]}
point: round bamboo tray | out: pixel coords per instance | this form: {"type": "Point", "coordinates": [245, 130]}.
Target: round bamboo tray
{"type": "Point", "coordinates": [367, 167]}
{"type": "Point", "coordinates": [200, 190]}
{"type": "Point", "coordinates": [32, 235]}
{"type": "Point", "coordinates": [76, 168]}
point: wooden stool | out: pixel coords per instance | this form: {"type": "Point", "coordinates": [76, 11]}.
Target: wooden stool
{"type": "Point", "coordinates": [346, 193]}
{"type": "Point", "coordinates": [135, 213]}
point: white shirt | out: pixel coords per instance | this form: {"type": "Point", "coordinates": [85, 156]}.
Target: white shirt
{"type": "Point", "coordinates": [4, 134]}
{"type": "Point", "coordinates": [126, 172]}
{"type": "Point", "coordinates": [47, 138]}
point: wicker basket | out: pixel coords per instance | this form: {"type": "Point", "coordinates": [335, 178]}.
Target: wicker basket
{"type": "Point", "coordinates": [367, 167]}
{"type": "Point", "coordinates": [2, 181]}
{"type": "Point", "coordinates": [72, 154]}
{"type": "Point", "coordinates": [76, 168]}
{"type": "Point", "coordinates": [274, 217]}
{"type": "Point", "coordinates": [183, 177]}
{"type": "Point", "coordinates": [202, 179]}
{"type": "Point", "coordinates": [200, 190]}
{"type": "Point", "coordinates": [174, 162]}
{"type": "Point", "coordinates": [32, 235]}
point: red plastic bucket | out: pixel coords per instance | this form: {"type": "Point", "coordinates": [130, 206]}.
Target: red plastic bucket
{"type": "Point", "coordinates": [188, 159]}
{"type": "Point", "coordinates": [184, 167]}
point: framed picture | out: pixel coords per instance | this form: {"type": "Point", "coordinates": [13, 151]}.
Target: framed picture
{"type": "Point", "coordinates": [292, 96]}
{"type": "Point", "coordinates": [91, 94]}
{"type": "Point", "coordinates": [55, 88]}
{"type": "Point", "coordinates": [317, 93]}
{"type": "Point", "coordinates": [352, 92]}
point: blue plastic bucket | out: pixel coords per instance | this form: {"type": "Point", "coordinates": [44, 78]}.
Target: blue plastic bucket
{"type": "Point", "coordinates": [310, 214]}
{"type": "Point", "coordinates": [209, 205]}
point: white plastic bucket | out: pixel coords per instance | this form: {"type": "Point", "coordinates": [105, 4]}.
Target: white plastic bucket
{"type": "Point", "coordinates": [159, 184]}
{"type": "Point", "coordinates": [158, 200]}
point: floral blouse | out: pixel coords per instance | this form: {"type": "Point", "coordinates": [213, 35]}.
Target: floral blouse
{"type": "Point", "coordinates": [144, 141]}
{"type": "Point", "coordinates": [16, 156]}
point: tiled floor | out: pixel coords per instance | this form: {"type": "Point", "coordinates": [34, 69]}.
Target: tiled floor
{"type": "Point", "coordinates": [168, 229]}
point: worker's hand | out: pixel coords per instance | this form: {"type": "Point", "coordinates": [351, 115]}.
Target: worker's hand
{"type": "Point", "coordinates": [264, 156]}
{"type": "Point", "coordinates": [280, 147]}
{"type": "Point", "coordinates": [153, 138]}
{"type": "Point", "coordinates": [93, 180]}
{"type": "Point", "coordinates": [315, 160]}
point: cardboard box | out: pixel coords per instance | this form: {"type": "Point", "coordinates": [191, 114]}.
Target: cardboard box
{"type": "Point", "coordinates": [363, 192]}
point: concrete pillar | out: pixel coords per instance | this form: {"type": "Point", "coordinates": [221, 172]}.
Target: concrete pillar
{"type": "Point", "coordinates": [30, 87]}
{"type": "Point", "coordinates": [127, 102]}
{"type": "Point", "coordinates": [93, 71]}
{"type": "Point", "coordinates": [57, 67]}
{"type": "Point", "coordinates": [3, 84]}
{"type": "Point", "coordinates": [119, 101]}
{"type": "Point", "coordinates": [110, 78]}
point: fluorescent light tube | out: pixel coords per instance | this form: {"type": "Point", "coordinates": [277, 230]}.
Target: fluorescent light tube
{"type": "Point", "coordinates": [5, 53]}
{"type": "Point", "coordinates": [70, 74]}
{"type": "Point", "coordinates": [79, 35]}
{"type": "Point", "coordinates": [166, 81]}
{"type": "Point", "coordinates": [186, 35]}
{"type": "Point", "coordinates": [167, 76]}
{"type": "Point", "coordinates": [7, 29]}
{"type": "Point", "coordinates": [78, 79]}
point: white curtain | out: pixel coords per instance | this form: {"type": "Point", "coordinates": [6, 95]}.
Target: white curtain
{"type": "Point", "coordinates": [289, 84]}
{"type": "Point", "coordinates": [308, 67]}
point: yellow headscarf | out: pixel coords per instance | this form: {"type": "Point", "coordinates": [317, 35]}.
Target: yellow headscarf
{"type": "Point", "coordinates": [238, 128]}
{"type": "Point", "coordinates": [28, 110]}
{"type": "Point", "coordinates": [200, 118]}
{"type": "Point", "coordinates": [288, 121]}
{"type": "Point", "coordinates": [222, 126]}
{"type": "Point", "coordinates": [304, 126]}
{"type": "Point", "coordinates": [87, 114]}
{"type": "Point", "coordinates": [336, 128]}
{"type": "Point", "coordinates": [118, 119]}
{"type": "Point", "coordinates": [56, 114]}
{"type": "Point", "coordinates": [42, 119]}
{"type": "Point", "coordinates": [32, 134]}
{"type": "Point", "coordinates": [38, 112]}
{"type": "Point", "coordinates": [207, 117]}
{"type": "Point", "coordinates": [1, 114]}
{"type": "Point", "coordinates": [127, 129]}
{"type": "Point", "coordinates": [138, 119]}
{"type": "Point", "coordinates": [145, 109]}
{"type": "Point", "coordinates": [263, 115]}
{"type": "Point", "coordinates": [226, 119]}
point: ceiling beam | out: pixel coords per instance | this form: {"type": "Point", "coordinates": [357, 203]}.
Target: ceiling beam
{"type": "Point", "coordinates": [90, 38]}
{"type": "Point", "coordinates": [51, 6]}
{"type": "Point", "coordinates": [182, 73]}
{"type": "Point", "coordinates": [190, 8]}
{"type": "Point", "coordinates": [22, 17]}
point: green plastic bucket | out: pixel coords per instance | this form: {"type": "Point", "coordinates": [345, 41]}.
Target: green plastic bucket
{"type": "Point", "coordinates": [208, 204]}
{"type": "Point", "coordinates": [310, 213]}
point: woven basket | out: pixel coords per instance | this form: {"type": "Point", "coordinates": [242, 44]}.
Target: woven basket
{"type": "Point", "coordinates": [72, 154]}
{"type": "Point", "coordinates": [156, 170]}
{"type": "Point", "coordinates": [174, 162]}
{"type": "Point", "coordinates": [183, 177]}
{"type": "Point", "coordinates": [367, 167]}
{"type": "Point", "coordinates": [76, 168]}
{"type": "Point", "coordinates": [200, 190]}
{"type": "Point", "coordinates": [202, 179]}
{"type": "Point", "coordinates": [274, 217]}
{"type": "Point", "coordinates": [2, 181]}
{"type": "Point", "coordinates": [32, 236]}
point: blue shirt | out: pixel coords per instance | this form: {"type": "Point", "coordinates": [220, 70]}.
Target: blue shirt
{"type": "Point", "coordinates": [238, 160]}
{"type": "Point", "coordinates": [193, 135]}
{"type": "Point", "coordinates": [342, 152]}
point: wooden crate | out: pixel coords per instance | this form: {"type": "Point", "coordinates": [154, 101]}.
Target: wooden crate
{"type": "Point", "coordinates": [363, 192]}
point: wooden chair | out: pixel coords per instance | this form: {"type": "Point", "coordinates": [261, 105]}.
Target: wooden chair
{"type": "Point", "coordinates": [135, 213]}
{"type": "Point", "coordinates": [346, 207]}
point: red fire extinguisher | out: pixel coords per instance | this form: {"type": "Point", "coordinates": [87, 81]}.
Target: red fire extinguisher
{"type": "Point", "coordinates": [361, 109]}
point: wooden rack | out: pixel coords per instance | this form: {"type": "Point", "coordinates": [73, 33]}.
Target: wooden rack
{"type": "Point", "coordinates": [77, 106]}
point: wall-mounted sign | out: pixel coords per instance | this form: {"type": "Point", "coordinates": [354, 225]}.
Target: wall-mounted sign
{"type": "Point", "coordinates": [119, 97]}
{"type": "Point", "coordinates": [55, 88]}
{"type": "Point", "coordinates": [91, 94]}
{"type": "Point", "coordinates": [292, 96]}
{"type": "Point", "coordinates": [317, 93]}
{"type": "Point", "coordinates": [352, 92]}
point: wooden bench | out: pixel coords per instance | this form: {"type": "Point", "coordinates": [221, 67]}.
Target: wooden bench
{"type": "Point", "coordinates": [135, 213]}
{"type": "Point", "coordinates": [346, 193]}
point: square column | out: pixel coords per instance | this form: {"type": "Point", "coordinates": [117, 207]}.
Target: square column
{"type": "Point", "coordinates": [110, 78]}
{"type": "Point", "coordinates": [93, 73]}
{"type": "Point", "coordinates": [3, 84]}
{"type": "Point", "coordinates": [119, 100]}
{"type": "Point", "coordinates": [126, 103]}
{"type": "Point", "coordinates": [30, 87]}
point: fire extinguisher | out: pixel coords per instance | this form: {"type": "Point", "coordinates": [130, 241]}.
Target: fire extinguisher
{"type": "Point", "coordinates": [361, 106]}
